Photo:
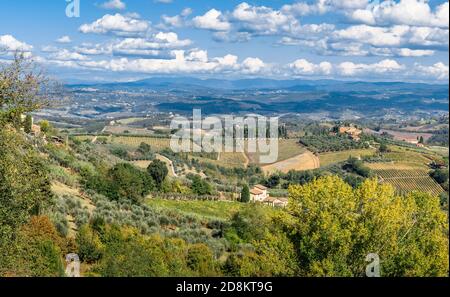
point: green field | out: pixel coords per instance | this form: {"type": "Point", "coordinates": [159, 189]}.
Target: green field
{"type": "Point", "coordinates": [406, 177]}
{"type": "Point", "coordinates": [410, 156]}
{"type": "Point", "coordinates": [221, 210]}
{"type": "Point", "coordinates": [287, 148]}
{"type": "Point", "coordinates": [206, 209]}
{"type": "Point", "coordinates": [157, 144]}
{"type": "Point", "coordinates": [336, 157]}
{"type": "Point", "coordinates": [84, 137]}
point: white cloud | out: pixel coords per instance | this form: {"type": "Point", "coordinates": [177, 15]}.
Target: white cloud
{"type": "Point", "coordinates": [262, 20]}
{"type": "Point", "coordinates": [211, 20]}
{"type": "Point", "coordinates": [173, 21]}
{"type": "Point", "coordinates": [114, 4]}
{"type": "Point", "coordinates": [116, 24]}
{"type": "Point", "coordinates": [195, 62]}
{"type": "Point", "coordinates": [94, 49]}
{"type": "Point", "coordinates": [364, 40]}
{"type": "Point", "coordinates": [150, 46]}
{"type": "Point", "coordinates": [404, 12]}
{"type": "Point", "coordinates": [406, 52]}
{"type": "Point", "coordinates": [395, 36]}
{"type": "Point", "coordinates": [246, 21]}
{"type": "Point", "coordinates": [176, 21]}
{"type": "Point", "coordinates": [66, 55]}
{"type": "Point", "coordinates": [164, 1]}
{"type": "Point", "coordinates": [324, 6]}
{"type": "Point", "coordinates": [157, 45]}
{"type": "Point", "coordinates": [11, 44]}
{"type": "Point", "coordinates": [198, 55]}
{"type": "Point", "coordinates": [186, 12]}
{"type": "Point", "coordinates": [438, 71]}
{"type": "Point", "coordinates": [49, 49]}
{"type": "Point", "coordinates": [64, 39]}
{"type": "Point", "coordinates": [305, 67]}
{"type": "Point", "coordinates": [383, 67]}
{"type": "Point", "coordinates": [253, 65]}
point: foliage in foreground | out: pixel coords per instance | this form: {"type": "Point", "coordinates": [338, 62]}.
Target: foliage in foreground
{"type": "Point", "coordinates": [334, 227]}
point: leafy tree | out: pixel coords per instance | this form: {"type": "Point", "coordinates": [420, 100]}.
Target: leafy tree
{"type": "Point", "coordinates": [439, 175]}
{"type": "Point", "coordinates": [245, 194]}
{"type": "Point", "coordinates": [383, 148]}
{"type": "Point", "coordinates": [357, 166]}
{"type": "Point", "coordinates": [129, 254]}
{"type": "Point", "coordinates": [37, 250]}
{"type": "Point", "coordinates": [334, 227]}
{"type": "Point", "coordinates": [46, 127]}
{"type": "Point", "coordinates": [200, 259]}
{"type": "Point", "coordinates": [200, 186]}
{"type": "Point", "coordinates": [24, 183]}
{"type": "Point", "coordinates": [24, 88]}
{"type": "Point", "coordinates": [158, 171]}
{"type": "Point", "coordinates": [273, 181]}
{"type": "Point", "coordinates": [28, 124]}
{"type": "Point", "coordinates": [251, 223]}
{"type": "Point", "coordinates": [128, 183]}
{"type": "Point", "coordinates": [119, 152]}
{"type": "Point", "coordinates": [90, 248]}
{"type": "Point", "coordinates": [145, 150]}
{"type": "Point", "coordinates": [271, 253]}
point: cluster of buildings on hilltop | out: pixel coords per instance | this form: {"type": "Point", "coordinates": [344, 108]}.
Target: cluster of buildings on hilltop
{"type": "Point", "coordinates": [353, 132]}
{"type": "Point", "coordinates": [259, 194]}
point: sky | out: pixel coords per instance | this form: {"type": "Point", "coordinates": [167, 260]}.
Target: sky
{"type": "Point", "coordinates": [124, 40]}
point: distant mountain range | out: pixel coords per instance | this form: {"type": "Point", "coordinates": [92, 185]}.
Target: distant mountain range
{"type": "Point", "coordinates": [261, 83]}
{"type": "Point", "coordinates": [267, 96]}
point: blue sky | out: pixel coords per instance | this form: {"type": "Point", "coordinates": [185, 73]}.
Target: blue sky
{"type": "Point", "coordinates": [404, 40]}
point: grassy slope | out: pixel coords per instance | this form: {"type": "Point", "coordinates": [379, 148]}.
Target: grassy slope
{"type": "Point", "coordinates": [205, 209]}
{"type": "Point", "coordinates": [336, 157]}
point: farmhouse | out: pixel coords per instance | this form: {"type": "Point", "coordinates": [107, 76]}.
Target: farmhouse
{"type": "Point", "coordinates": [276, 202]}
{"type": "Point", "coordinates": [258, 193]}
{"type": "Point", "coordinates": [353, 132]}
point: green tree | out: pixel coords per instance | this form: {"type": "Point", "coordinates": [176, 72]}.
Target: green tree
{"type": "Point", "coordinates": [24, 183]}
{"type": "Point", "coordinates": [28, 124]}
{"type": "Point", "coordinates": [200, 186]}
{"type": "Point", "coordinates": [439, 175]}
{"type": "Point", "coordinates": [334, 227]}
{"type": "Point", "coordinates": [383, 148]}
{"type": "Point", "coordinates": [158, 171]}
{"type": "Point", "coordinates": [245, 194]}
{"type": "Point", "coordinates": [128, 183]}
{"type": "Point", "coordinates": [200, 259]}
{"type": "Point", "coordinates": [24, 88]}
{"type": "Point", "coordinates": [271, 252]}
{"type": "Point", "coordinates": [90, 248]}
{"type": "Point", "coordinates": [46, 127]}
{"type": "Point", "coordinates": [36, 251]}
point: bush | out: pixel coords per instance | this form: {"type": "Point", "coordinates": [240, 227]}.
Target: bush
{"type": "Point", "coordinates": [128, 183]}
{"type": "Point", "coordinates": [90, 248]}
{"type": "Point", "coordinates": [158, 171]}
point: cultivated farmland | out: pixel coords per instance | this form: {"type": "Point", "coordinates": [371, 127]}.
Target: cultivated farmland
{"type": "Point", "coordinates": [287, 148]}
{"type": "Point", "coordinates": [157, 144]}
{"type": "Point", "coordinates": [336, 157]}
{"type": "Point", "coordinates": [406, 178]}
{"type": "Point", "coordinates": [304, 161]}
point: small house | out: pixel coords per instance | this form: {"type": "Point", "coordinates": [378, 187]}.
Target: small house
{"type": "Point", "coordinates": [258, 193]}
